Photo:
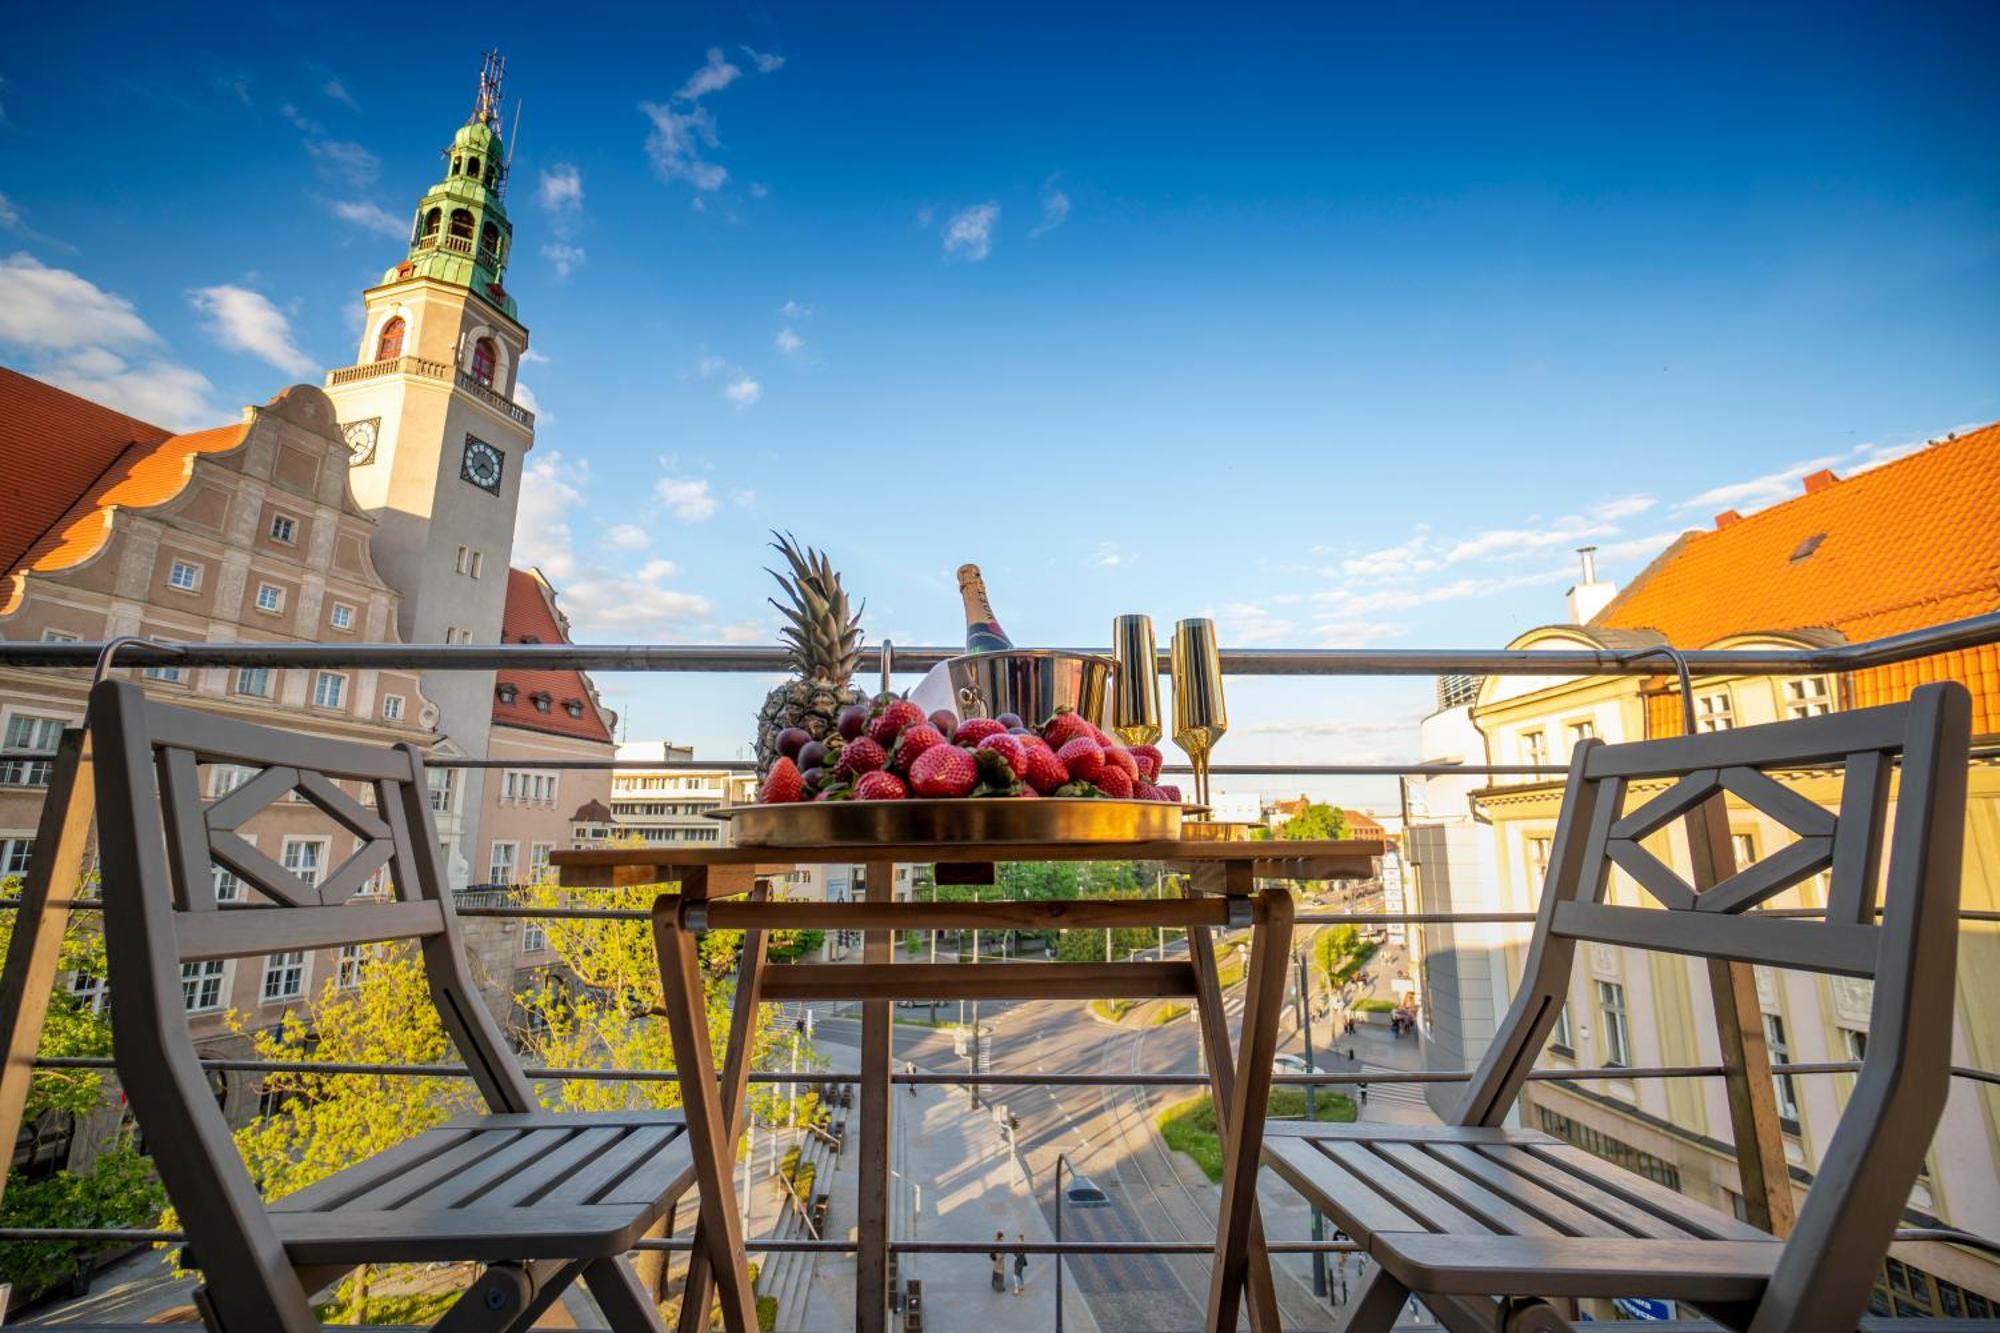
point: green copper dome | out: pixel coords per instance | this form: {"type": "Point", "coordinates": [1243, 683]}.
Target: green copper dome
{"type": "Point", "coordinates": [461, 233]}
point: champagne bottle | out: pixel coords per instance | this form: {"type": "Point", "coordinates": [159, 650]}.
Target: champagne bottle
{"type": "Point", "coordinates": [982, 632]}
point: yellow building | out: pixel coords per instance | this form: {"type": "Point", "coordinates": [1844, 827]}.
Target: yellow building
{"type": "Point", "coordinates": [1908, 545]}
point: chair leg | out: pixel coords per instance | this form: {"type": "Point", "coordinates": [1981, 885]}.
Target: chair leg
{"type": "Point", "coordinates": [624, 1302]}
{"type": "Point", "coordinates": [1376, 1304]}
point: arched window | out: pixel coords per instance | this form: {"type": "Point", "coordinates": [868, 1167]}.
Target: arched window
{"type": "Point", "coordinates": [472, 166]}
{"type": "Point", "coordinates": [461, 223]}
{"type": "Point", "coordinates": [489, 238]}
{"type": "Point", "coordinates": [482, 361]}
{"type": "Point", "coordinates": [391, 342]}
{"type": "Point", "coordinates": [431, 221]}
{"type": "Point", "coordinates": [457, 165]}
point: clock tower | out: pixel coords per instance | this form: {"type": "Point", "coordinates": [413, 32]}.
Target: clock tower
{"type": "Point", "coordinates": [438, 441]}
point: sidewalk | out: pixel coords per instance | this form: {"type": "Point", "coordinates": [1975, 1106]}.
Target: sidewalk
{"type": "Point", "coordinates": [954, 1181]}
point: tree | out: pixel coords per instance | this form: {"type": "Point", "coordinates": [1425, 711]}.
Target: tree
{"type": "Point", "coordinates": [1314, 823]}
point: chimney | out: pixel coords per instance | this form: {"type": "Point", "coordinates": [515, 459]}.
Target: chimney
{"type": "Point", "coordinates": [1727, 518]}
{"type": "Point", "coordinates": [1820, 480]}
{"type": "Point", "coordinates": [1590, 595]}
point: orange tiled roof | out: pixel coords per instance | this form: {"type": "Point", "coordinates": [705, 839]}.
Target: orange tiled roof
{"type": "Point", "coordinates": [66, 462]}
{"type": "Point", "coordinates": [530, 617]}
{"type": "Point", "coordinates": [1910, 544]}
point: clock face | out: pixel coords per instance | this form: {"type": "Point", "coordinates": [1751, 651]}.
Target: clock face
{"type": "Point", "coordinates": [482, 464]}
{"type": "Point", "coordinates": [361, 440]}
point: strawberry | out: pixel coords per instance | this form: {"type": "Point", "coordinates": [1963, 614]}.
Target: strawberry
{"type": "Point", "coordinates": [879, 786]}
{"type": "Point", "coordinates": [860, 755]}
{"type": "Point", "coordinates": [943, 770]}
{"type": "Point", "coordinates": [1030, 741]}
{"type": "Point", "coordinates": [1122, 757]}
{"type": "Point", "coordinates": [1082, 758]}
{"type": "Point", "coordinates": [1011, 750]}
{"type": "Point", "coordinates": [782, 785]}
{"type": "Point", "coordinates": [945, 721]}
{"type": "Point", "coordinates": [913, 742]}
{"type": "Point", "coordinates": [1115, 782]}
{"type": "Point", "coordinates": [976, 729]}
{"type": "Point", "coordinates": [996, 773]}
{"type": "Point", "coordinates": [1044, 772]}
{"type": "Point", "coordinates": [894, 718]}
{"type": "Point", "coordinates": [1149, 758]}
{"type": "Point", "coordinates": [1143, 790]}
{"type": "Point", "coordinates": [1104, 742]}
{"type": "Point", "coordinates": [1168, 793]}
{"type": "Point", "coordinates": [1064, 727]}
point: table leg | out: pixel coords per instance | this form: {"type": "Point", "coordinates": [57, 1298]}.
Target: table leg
{"type": "Point", "coordinates": [1242, 1129]}
{"type": "Point", "coordinates": [871, 1272]}
{"type": "Point", "coordinates": [1214, 1025]}
{"type": "Point", "coordinates": [699, 1289]}
{"type": "Point", "coordinates": [707, 1125]}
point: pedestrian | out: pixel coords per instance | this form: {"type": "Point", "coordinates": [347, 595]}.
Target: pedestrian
{"type": "Point", "coordinates": [1020, 1263]}
{"type": "Point", "coordinates": [999, 1258]}
{"type": "Point", "coordinates": [1364, 1092]}
{"type": "Point", "coordinates": [910, 1067]}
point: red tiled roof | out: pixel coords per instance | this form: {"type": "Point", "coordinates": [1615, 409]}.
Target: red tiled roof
{"type": "Point", "coordinates": [65, 461]}
{"type": "Point", "coordinates": [530, 618]}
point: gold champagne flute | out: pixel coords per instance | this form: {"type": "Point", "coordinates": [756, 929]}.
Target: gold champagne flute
{"type": "Point", "coordinates": [1135, 700]}
{"type": "Point", "coordinates": [1200, 717]}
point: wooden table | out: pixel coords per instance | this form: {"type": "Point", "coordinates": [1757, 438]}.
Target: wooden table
{"type": "Point", "coordinates": [1221, 892]}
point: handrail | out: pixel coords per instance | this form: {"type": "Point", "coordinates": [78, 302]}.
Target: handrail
{"type": "Point", "coordinates": [1975, 631]}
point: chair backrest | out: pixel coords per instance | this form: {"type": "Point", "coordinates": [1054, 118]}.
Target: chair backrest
{"type": "Point", "coordinates": [160, 844]}
{"type": "Point", "coordinates": [1907, 944]}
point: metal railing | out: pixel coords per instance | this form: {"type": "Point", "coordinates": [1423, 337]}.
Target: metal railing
{"type": "Point", "coordinates": [1974, 632]}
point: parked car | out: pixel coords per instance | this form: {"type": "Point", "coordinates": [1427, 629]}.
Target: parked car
{"type": "Point", "coordinates": [1286, 1063]}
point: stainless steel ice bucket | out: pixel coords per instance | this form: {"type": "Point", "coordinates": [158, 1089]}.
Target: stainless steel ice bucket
{"type": "Point", "coordinates": [1031, 683]}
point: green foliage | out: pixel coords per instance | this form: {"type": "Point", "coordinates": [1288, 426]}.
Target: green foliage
{"type": "Point", "coordinates": [1229, 967]}
{"type": "Point", "coordinates": [119, 1190]}
{"type": "Point", "coordinates": [1167, 1013]}
{"type": "Point", "coordinates": [1374, 1006]}
{"type": "Point", "coordinates": [767, 1314]}
{"type": "Point", "coordinates": [791, 944]}
{"type": "Point", "coordinates": [1189, 1126]}
{"type": "Point", "coordinates": [1339, 953]}
{"type": "Point", "coordinates": [1112, 1010]}
{"type": "Point", "coordinates": [1315, 822]}
{"type": "Point", "coordinates": [72, 1027]}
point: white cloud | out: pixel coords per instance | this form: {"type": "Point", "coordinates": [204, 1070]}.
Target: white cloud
{"type": "Point", "coordinates": [567, 258]}
{"type": "Point", "coordinates": [344, 162]}
{"type": "Point", "coordinates": [789, 342]}
{"type": "Point", "coordinates": [712, 77]}
{"type": "Point", "coordinates": [301, 122]}
{"type": "Point", "coordinates": [1786, 482]}
{"type": "Point", "coordinates": [156, 391]}
{"type": "Point", "coordinates": [560, 190]}
{"type": "Point", "coordinates": [530, 357]}
{"type": "Point", "coordinates": [628, 537]}
{"type": "Point", "coordinates": [743, 497]}
{"type": "Point", "coordinates": [526, 398]}
{"type": "Point", "coordinates": [654, 570]}
{"type": "Point", "coordinates": [1107, 555]}
{"type": "Point", "coordinates": [743, 391]}
{"type": "Point", "coordinates": [795, 310]}
{"type": "Point", "coordinates": [369, 215]}
{"type": "Point", "coordinates": [53, 309]}
{"type": "Point", "coordinates": [746, 631]}
{"type": "Point", "coordinates": [710, 365]}
{"type": "Point", "coordinates": [765, 62]}
{"type": "Point", "coordinates": [676, 143]}
{"type": "Point", "coordinates": [686, 498]}
{"type": "Point", "coordinates": [969, 234]}
{"type": "Point", "coordinates": [925, 217]}
{"type": "Point", "coordinates": [1055, 209]}
{"type": "Point", "coordinates": [1393, 562]}
{"type": "Point", "coordinates": [246, 321]}
{"type": "Point", "coordinates": [551, 490]}
{"type": "Point", "coordinates": [337, 91]}
{"type": "Point", "coordinates": [1621, 507]}
{"type": "Point", "coordinates": [10, 215]}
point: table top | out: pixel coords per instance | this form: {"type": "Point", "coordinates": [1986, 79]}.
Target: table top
{"type": "Point", "coordinates": [1342, 858]}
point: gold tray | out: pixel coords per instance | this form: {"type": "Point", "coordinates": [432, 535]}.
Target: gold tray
{"type": "Point", "coordinates": [963, 819]}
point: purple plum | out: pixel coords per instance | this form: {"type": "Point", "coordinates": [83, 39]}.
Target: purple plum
{"type": "Point", "coordinates": [853, 721]}
{"type": "Point", "coordinates": [945, 721]}
{"type": "Point", "coordinates": [1011, 721]}
{"type": "Point", "coordinates": [791, 740]}
{"type": "Point", "coordinates": [811, 755]}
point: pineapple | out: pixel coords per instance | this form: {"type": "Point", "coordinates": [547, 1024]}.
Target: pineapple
{"type": "Point", "coordinates": [824, 642]}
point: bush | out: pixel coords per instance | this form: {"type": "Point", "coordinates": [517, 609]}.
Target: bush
{"type": "Point", "coordinates": [1167, 1013]}
{"type": "Point", "coordinates": [1112, 1010]}
{"type": "Point", "coordinates": [118, 1191]}
{"type": "Point", "coordinates": [1374, 1006]}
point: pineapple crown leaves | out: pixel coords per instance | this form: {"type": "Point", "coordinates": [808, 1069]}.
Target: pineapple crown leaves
{"type": "Point", "coordinates": [823, 638]}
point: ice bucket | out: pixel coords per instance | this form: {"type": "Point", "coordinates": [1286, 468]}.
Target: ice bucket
{"type": "Point", "coordinates": [1030, 683]}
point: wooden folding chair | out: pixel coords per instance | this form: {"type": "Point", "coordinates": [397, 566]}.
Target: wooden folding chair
{"type": "Point", "coordinates": [540, 1198]}
{"type": "Point", "coordinates": [1483, 1222]}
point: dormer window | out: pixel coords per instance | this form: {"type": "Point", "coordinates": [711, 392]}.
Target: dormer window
{"type": "Point", "coordinates": [508, 693]}
{"type": "Point", "coordinates": [574, 707]}
{"type": "Point", "coordinates": [531, 638]}
{"type": "Point", "coordinates": [541, 699]}
{"type": "Point", "coordinates": [390, 344]}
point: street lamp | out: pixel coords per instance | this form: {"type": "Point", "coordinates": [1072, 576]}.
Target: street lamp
{"type": "Point", "coordinates": [1312, 1116]}
{"type": "Point", "coordinates": [1062, 1160]}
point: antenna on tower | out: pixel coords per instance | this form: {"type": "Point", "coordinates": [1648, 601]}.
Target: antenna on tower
{"type": "Point", "coordinates": [514, 135]}
{"type": "Point", "coordinates": [492, 73]}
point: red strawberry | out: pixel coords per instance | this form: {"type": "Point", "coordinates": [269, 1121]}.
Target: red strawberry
{"type": "Point", "coordinates": [945, 721]}
{"type": "Point", "coordinates": [1104, 742]}
{"type": "Point", "coordinates": [1145, 791]}
{"type": "Point", "coordinates": [1119, 755]}
{"type": "Point", "coordinates": [976, 729]}
{"type": "Point", "coordinates": [1168, 793]}
{"type": "Point", "coordinates": [782, 785]}
{"type": "Point", "coordinates": [1044, 772]}
{"type": "Point", "coordinates": [1083, 758]}
{"type": "Point", "coordinates": [1065, 727]}
{"type": "Point", "coordinates": [1031, 741]}
{"type": "Point", "coordinates": [1010, 749]}
{"type": "Point", "coordinates": [895, 717]}
{"type": "Point", "coordinates": [943, 770]}
{"type": "Point", "coordinates": [860, 755]}
{"type": "Point", "coordinates": [879, 786]}
{"type": "Point", "coordinates": [1149, 758]}
{"type": "Point", "coordinates": [913, 742]}
{"type": "Point", "coordinates": [1115, 782]}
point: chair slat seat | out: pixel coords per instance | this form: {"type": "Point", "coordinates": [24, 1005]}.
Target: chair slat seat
{"type": "Point", "coordinates": [480, 1186]}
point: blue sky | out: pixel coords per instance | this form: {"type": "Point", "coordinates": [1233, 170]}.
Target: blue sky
{"type": "Point", "coordinates": [1341, 325]}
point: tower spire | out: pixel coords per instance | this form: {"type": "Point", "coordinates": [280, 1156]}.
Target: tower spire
{"type": "Point", "coordinates": [492, 74]}
{"type": "Point", "coordinates": [461, 233]}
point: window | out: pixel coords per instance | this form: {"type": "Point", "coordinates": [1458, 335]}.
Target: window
{"type": "Point", "coordinates": [1534, 747]}
{"type": "Point", "coordinates": [353, 963]}
{"type": "Point", "coordinates": [15, 853]}
{"type": "Point", "coordinates": [432, 220]}
{"type": "Point", "coordinates": [444, 788]}
{"type": "Point", "coordinates": [185, 576]}
{"type": "Point", "coordinates": [500, 868]}
{"type": "Point", "coordinates": [59, 636]}
{"type": "Point", "coordinates": [1744, 848]}
{"type": "Point", "coordinates": [1617, 1044]}
{"type": "Point", "coordinates": [390, 344]}
{"type": "Point", "coordinates": [270, 598]}
{"type": "Point", "coordinates": [392, 707]}
{"type": "Point", "coordinates": [201, 985]}
{"type": "Point", "coordinates": [489, 238]}
{"type": "Point", "coordinates": [1538, 862]}
{"type": "Point", "coordinates": [343, 616]}
{"type": "Point", "coordinates": [1579, 731]}
{"type": "Point", "coordinates": [1599, 1144]}
{"type": "Point", "coordinates": [1561, 1039]}
{"type": "Point", "coordinates": [1809, 696]}
{"type": "Point", "coordinates": [226, 778]}
{"type": "Point", "coordinates": [89, 992]}
{"type": "Point", "coordinates": [284, 976]}
{"type": "Point", "coordinates": [541, 699]}
{"type": "Point", "coordinates": [329, 689]}
{"type": "Point", "coordinates": [171, 675]}
{"type": "Point", "coordinates": [483, 361]}
{"type": "Point", "coordinates": [472, 169]}
{"type": "Point", "coordinates": [461, 224]}
{"type": "Point", "coordinates": [534, 938]}
{"type": "Point", "coordinates": [25, 731]}
{"type": "Point", "coordinates": [538, 860]}
{"type": "Point", "coordinates": [478, 563]}
{"type": "Point", "coordinates": [284, 528]}
{"type": "Point", "coordinates": [464, 559]}
{"type": "Point", "coordinates": [1781, 1053]}
{"type": "Point", "coordinates": [453, 634]}
{"type": "Point", "coordinates": [228, 888]}
{"type": "Point", "coordinates": [1714, 711]}
{"type": "Point", "coordinates": [305, 858]}
{"type": "Point", "coordinates": [254, 681]}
